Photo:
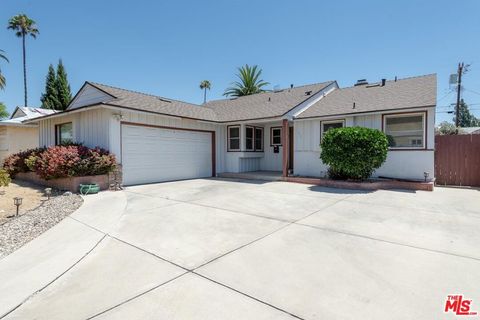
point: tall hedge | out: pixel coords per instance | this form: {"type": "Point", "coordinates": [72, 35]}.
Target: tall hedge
{"type": "Point", "coordinates": [353, 152]}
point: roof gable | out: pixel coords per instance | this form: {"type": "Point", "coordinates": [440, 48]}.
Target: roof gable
{"type": "Point", "coordinates": [88, 95]}
{"type": "Point", "coordinates": [405, 93]}
{"type": "Point", "coordinates": [264, 105]}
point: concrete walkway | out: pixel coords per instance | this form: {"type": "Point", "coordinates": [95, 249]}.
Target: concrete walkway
{"type": "Point", "coordinates": [226, 249]}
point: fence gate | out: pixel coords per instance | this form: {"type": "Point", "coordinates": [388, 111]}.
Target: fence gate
{"type": "Point", "coordinates": [457, 160]}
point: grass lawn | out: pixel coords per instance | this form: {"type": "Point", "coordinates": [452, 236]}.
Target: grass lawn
{"type": "Point", "coordinates": [32, 197]}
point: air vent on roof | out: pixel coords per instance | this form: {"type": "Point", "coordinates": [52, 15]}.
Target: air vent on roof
{"type": "Point", "coordinates": [165, 100]}
{"type": "Point", "coordinates": [361, 82]}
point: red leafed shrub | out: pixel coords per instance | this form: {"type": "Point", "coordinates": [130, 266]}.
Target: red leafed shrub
{"type": "Point", "coordinates": [62, 161]}
{"type": "Point", "coordinates": [15, 163]}
{"type": "Point", "coordinates": [73, 161]}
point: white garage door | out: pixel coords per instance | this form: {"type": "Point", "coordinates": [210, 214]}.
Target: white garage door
{"type": "Point", "coordinates": [155, 154]}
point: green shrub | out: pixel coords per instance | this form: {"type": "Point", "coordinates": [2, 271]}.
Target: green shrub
{"type": "Point", "coordinates": [4, 178]}
{"type": "Point", "coordinates": [353, 152]}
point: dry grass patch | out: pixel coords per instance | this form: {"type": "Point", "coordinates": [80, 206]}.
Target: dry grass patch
{"type": "Point", "coordinates": [32, 197]}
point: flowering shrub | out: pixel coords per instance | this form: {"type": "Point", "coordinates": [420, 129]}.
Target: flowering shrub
{"type": "Point", "coordinates": [65, 161]}
{"type": "Point", "coordinates": [16, 163]}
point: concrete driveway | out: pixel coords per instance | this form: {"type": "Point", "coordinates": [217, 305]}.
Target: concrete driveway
{"type": "Point", "coordinates": [224, 249]}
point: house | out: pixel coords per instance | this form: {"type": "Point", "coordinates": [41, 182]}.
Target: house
{"type": "Point", "coordinates": [159, 139]}
{"type": "Point", "coordinates": [469, 130]}
{"type": "Point", "coordinates": [15, 135]}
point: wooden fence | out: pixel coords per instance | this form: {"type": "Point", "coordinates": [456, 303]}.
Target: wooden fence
{"type": "Point", "coordinates": [457, 160]}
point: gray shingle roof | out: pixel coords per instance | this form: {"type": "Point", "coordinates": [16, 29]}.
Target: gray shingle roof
{"type": "Point", "coordinates": [263, 105]}
{"type": "Point", "coordinates": [401, 94]}
{"type": "Point", "coordinates": [146, 102]}
{"type": "Point", "coordinates": [256, 106]}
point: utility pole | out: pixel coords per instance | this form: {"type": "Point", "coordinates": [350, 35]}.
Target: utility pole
{"type": "Point", "coordinates": [459, 88]}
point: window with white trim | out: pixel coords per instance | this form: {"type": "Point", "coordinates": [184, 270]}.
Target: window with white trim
{"type": "Point", "coordinates": [331, 124]}
{"type": "Point", "coordinates": [405, 131]}
{"type": "Point", "coordinates": [234, 138]}
{"type": "Point", "coordinates": [258, 139]}
{"type": "Point", "coordinates": [276, 136]}
{"type": "Point", "coordinates": [249, 133]}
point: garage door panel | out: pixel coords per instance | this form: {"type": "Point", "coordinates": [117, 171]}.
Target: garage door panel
{"type": "Point", "coordinates": [158, 154]}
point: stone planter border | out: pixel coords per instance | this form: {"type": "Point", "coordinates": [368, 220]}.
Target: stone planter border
{"type": "Point", "coordinates": [367, 185]}
{"type": "Point", "coordinates": [65, 184]}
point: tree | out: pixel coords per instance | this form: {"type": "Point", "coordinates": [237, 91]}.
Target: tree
{"type": "Point", "coordinates": [23, 26]}
{"type": "Point", "coordinates": [3, 82]}
{"type": "Point", "coordinates": [249, 82]}
{"type": "Point", "coordinates": [57, 94]}
{"type": "Point", "coordinates": [446, 128]}
{"type": "Point", "coordinates": [50, 97]}
{"type": "Point", "coordinates": [204, 85]}
{"type": "Point", "coordinates": [63, 87]}
{"type": "Point", "coordinates": [3, 111]}
{"type": "Point", "coordinates": [466, 119]}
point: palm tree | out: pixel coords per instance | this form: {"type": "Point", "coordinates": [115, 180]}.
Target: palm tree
{"type": "Point", "coordinates": [3, 82]}
{"type": "Point", "coordinates": [249, 82]}
{"type": "Point", "coordinates": [204, 85]}
{"type": "Point", "coordinates": [23, 26]}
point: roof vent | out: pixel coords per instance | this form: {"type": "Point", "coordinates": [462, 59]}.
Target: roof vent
{"type": "Point", "coordinates": [383, 82]}
{"type": "Point", "coordinates": [291, 86]}
{"type": "Point", "coordinates": [361, 82]}
{"type": "Point", "coordinates": [307, 93]}
{"type": "Point", "coordinates": [164, 100]}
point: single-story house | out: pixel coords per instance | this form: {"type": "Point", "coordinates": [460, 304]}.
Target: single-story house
{"type": "Point", "coordinates": [15, 135]}
{"type": "Point", "coordinates": [159, 139]}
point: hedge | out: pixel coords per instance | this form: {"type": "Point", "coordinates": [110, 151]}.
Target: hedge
{"type": "Point", "coordinates": [353, 152]}
{"type": "Point", "coordinates": [61, 161]}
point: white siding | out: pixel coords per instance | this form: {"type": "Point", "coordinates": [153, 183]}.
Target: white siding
{"type": "Point", "coordinates": [90, 127]}
{"type": "Point", "coordinates": [101, 127]}
{"type": "Point", "coordinates": [252, 161]}
{"type": "Point", "coordinates": [406, 164]}
{"type": "Point", "coordinates": [87, 96]}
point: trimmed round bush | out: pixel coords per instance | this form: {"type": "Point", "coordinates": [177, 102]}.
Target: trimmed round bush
{"type": "Point", "coordinates": [353, 152]}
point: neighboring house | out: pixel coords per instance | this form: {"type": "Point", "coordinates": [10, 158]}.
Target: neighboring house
{"type": "Point", "coordinates": [469, 130]}
{"type": "Point", "coordinates": [158, 139]}
{"type": "Point", "coordinates": [15, 135]}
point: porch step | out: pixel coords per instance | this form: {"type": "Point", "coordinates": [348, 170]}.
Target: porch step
{"type": "Point", "coordinates": [253, 175]}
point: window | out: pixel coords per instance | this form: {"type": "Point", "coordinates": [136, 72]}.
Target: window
{"type": "Point", "coordinates": [334, 124]}
{"type": "Point", "coordinates": [258, 139]}
{"type": "Point", "coordinates": [234, 138]}
{"type": "Point", "coordinates": [276, 136]}
{"type": "Point", "coordinates": [405, 131]}
{"type": "Point", "coordinates": [64, 133]}
{"type": "Point", "coordinates": [249, 131]}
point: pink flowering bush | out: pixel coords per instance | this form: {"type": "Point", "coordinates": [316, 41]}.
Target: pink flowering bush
{"type": "Point", "coordinates": [15, 163]}
{"type": "Point", "coordinates": [69, 161]}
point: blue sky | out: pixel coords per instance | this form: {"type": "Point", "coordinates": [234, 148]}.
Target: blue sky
{"type": "Point", "coordinates": [168, 47]}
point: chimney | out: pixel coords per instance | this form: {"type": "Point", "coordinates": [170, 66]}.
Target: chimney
{"type": "Point", "coordinates": [361, 82]}
{"type": "Point", "coordinates": [383, 82]}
